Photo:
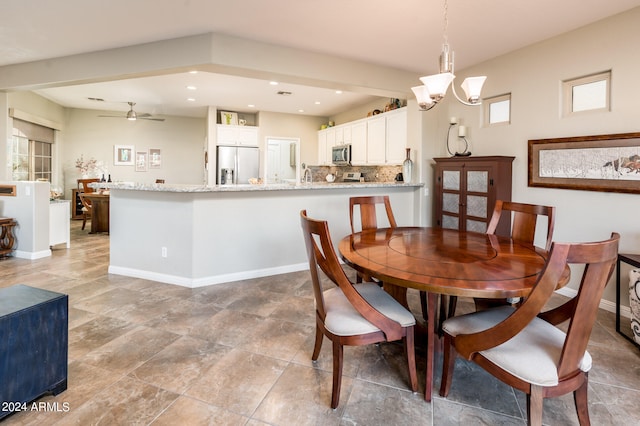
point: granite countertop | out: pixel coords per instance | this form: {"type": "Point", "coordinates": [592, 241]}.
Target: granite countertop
{"type": "Point", "coordinates": [133, 186]}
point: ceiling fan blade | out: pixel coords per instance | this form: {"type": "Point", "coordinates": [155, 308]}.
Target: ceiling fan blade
{"type": "Point", "coordinates": [150, 118]}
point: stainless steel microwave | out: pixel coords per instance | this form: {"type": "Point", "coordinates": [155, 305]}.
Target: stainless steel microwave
{"type": "Point", "coordinates": [341, 155]}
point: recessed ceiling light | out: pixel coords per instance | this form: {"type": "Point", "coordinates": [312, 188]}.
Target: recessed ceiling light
{"type": "Point", "coordinates": [338, 92]}
{"type": "Point", "coordinates": [317, 102]}
{"type": "Point", "coordinates": [193, 72]}
{"type": "Point", "coordinates": [191, 99]}
{"type": "Point", "coordinates": [273, 83]}
{"type": "Point", "coordinates": [300, 110]}
{"type": "Point", "coordinates": [191, 87]}
{"type": "Point", "coordinates": [251, 106]}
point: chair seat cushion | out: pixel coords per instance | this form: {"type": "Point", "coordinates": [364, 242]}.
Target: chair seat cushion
{"type": "Point", "coordinates": [343, 320]}
{"type": "Point", "coordinates": [531, 355]}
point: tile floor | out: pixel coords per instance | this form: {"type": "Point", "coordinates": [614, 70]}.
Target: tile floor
{"type": "Point", "coordinates": [146, 353]}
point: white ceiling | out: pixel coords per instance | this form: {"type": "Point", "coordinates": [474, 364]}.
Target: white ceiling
{"type": "Point", "coordinates": [405, 34]}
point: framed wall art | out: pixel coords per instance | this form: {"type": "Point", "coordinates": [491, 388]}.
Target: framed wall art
{"type": "Point", "coordinates": [608, 163]}
{"type": "Point", "coordinates": [229, 118]}
{"type": "Point", "coordinates": [123, 155]}
{"type": "Point", "coordinates": [155, 158]}
{"type": "Point", "coordinates": [141, 161]}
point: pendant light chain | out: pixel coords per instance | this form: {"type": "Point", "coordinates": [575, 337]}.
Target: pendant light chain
{"type": "Point", "coordinates": [446, 23]}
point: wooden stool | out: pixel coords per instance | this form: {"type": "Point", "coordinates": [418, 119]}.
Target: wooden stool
{"type": "Point", "coordinates": [6, 237]}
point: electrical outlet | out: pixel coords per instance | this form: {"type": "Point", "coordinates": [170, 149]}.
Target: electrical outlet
{"type": "Point", "coordinates": [426, 192]}
{"type": "Point", "coordinates": [164, 252]}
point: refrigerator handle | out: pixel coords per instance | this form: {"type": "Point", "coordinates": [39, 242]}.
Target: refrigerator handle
{"type": "Point", "coordinates": [237, 171]}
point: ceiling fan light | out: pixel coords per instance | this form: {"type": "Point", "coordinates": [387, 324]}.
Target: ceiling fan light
{"type": "Point", "coordinates": [472, 87]}
{"type": "Point", "coordinates": [437, 84]}
{"type": "Point", "coordinates": [422, 96]}
{"type": "Point", "coordinates": [131, 115]}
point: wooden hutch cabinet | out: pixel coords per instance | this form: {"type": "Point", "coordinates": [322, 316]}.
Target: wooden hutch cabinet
{"type": "Point", "coordinates": [466, 190]}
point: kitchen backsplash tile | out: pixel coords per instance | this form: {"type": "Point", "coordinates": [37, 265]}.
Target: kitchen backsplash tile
{"type": "Point", "coordinates": [370, 173]}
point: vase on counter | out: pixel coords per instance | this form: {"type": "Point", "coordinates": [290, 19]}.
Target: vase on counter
{"type": "Point", "coordinates": [407, 167]}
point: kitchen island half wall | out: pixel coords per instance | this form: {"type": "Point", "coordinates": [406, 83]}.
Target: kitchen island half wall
{"type": "Point", "coordinates": [195, 236]}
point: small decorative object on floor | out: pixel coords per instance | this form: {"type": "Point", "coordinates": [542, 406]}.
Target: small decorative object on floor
{"type": "Point", "coordinates": [407, 167]}
{"type": "Point", "coordinates": [634, 303]}
{"type": "Point", "coordinates": [6, 236]}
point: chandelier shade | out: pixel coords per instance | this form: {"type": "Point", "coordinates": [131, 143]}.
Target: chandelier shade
{"type": "Point", "coordinates": [436, 85]}
{"type": "Point", "coordinates": [472, 87]}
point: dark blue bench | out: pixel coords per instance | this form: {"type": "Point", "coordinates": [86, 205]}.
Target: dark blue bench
{"type": "Point", "coordinates": [33, 345]}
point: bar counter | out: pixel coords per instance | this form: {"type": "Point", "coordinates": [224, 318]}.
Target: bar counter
{"type": "Point", "coordinates": [194, 235]}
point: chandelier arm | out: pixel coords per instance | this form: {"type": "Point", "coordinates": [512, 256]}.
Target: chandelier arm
{"type": "Point", "coordinates": [431, 105]}
{"type": "Point", "coordinates": [453, 89]}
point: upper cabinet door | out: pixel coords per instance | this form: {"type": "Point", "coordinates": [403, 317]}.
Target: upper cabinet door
{"type": "Point", "coordinates": [376, 140]}
{"type": "Point", "coordinates": [237, 135]}
{"type": "Point", "coordinates": [358, 133]}
{"type": "Point", "coordinates": [396, 136]}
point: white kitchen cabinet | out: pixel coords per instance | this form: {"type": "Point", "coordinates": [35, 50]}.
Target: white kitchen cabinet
{"type": "Point", "coordinates": [358, 131]}
{"type": "Point", "coordinates": [237, 135]}
{"type": "Point", "coordinates": [59, 222]}
{"type": "Point", "coordinates": [376, 140]}
{"type": "Point", "coordinates": [322, 147]}
{"type": "Point", "coordinates": [396, 136]}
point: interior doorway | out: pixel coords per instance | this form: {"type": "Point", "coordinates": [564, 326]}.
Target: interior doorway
{"type": "Point", "coordinates": [283, 160]}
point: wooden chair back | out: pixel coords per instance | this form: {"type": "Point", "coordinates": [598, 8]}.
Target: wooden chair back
{"type": "Point", "coordinates": [525, 217]}
{"type": "Point", "coordinates": [367, 205]}
{"type": "Point", "coordinates": [83, 184]}
{"type": "Point", "coordinates": [599, 260]}
{"type": "Point", "coordinates": [321, 254]}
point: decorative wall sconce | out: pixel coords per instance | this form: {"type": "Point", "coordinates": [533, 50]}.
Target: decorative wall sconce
{"type": "Point", "coordinates": [462, 135]}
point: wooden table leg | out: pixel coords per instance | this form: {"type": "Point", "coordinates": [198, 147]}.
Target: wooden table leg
{"type": "Point", "coordinates": [432, 330]}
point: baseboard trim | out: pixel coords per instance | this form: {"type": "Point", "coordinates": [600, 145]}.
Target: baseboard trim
{"type": "Point", "coordinates": [32, 255]}
{"type": "Point", "coordinates": [607, 305]}
{"type": "Point", "coordinates": [205, 281]}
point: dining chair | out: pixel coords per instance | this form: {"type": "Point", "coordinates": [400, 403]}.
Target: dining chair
{"type": "Point", "coordinates": [524, 220]}
{"type": "Point", "coordinates": [368, 219]}
{"type": "Point", "coordinates": [522, 346]}
{"type": "Point", "coordinates": [83, 184]}
{"type": "Point", "coordinates": [523, 229]}
{"type": "Point", "coordinates": [86, 209]}
{"type": "Point", "coordinates": [351, 314]}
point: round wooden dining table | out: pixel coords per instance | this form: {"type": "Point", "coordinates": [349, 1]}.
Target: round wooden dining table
{"type": "Point", "coordinates": [444, 262]}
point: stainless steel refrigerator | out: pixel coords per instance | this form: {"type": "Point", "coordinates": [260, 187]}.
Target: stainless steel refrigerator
{"type": "Point", "coordinates": [236, 164]}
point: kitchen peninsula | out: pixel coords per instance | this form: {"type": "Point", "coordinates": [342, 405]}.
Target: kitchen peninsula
{"type": "Point", "coordinates": [194, 236]}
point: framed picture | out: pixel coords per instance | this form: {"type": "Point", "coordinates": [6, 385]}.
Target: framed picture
{"type": "Point", "coordinates": [123, 155]}
{"type": "Point", "coordinates": [141, 161]}
{"type": "Point", "coordinates": [229, 118]}
{"type": "Point", "coordinates": [155, 158]}
{"type": "Point", "coordinates": [609, 163]}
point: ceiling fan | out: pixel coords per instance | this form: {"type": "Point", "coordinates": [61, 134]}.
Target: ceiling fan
{"type": "Point", "coordinates": [133, 116]}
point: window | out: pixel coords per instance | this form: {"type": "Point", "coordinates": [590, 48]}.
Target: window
{"type": "Point", "coordinates": [497, 110]}
{"type": "Point", "coordinates": [590, 93]}
{"type": "Point", "coordinates": [31, 151]}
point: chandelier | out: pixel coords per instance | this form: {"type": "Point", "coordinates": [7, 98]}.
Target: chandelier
{"type": "Point", "coordinates": [434, 87]}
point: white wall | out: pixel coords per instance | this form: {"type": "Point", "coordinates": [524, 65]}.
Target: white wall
{"type": "Point", "coordinates": [305, 127]}
{"type": "Point", "coordinates": [534, 76]}
{"type": "Point", "coordinates": [180, 139]}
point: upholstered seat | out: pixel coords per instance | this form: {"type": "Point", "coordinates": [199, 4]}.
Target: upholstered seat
{"type": "Point", "coordinates": [343, 320]}
{"type": "Point", "coordinates": [532, 355]}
